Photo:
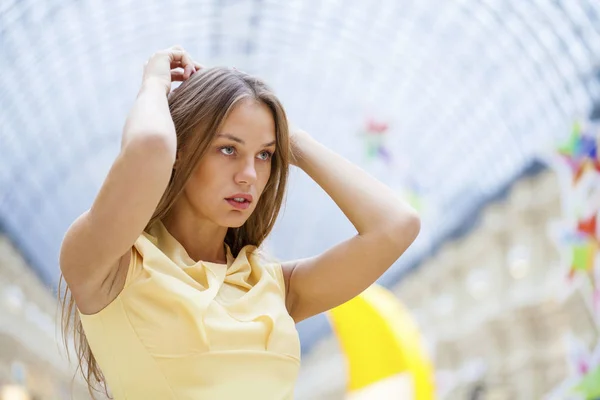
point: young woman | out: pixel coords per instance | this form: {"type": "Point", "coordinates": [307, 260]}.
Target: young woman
{"type": "Point", "coordinates": [170, 297]}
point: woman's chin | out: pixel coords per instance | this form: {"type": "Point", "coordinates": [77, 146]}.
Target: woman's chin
{"type": "Point", "coordinates": [234, 222]}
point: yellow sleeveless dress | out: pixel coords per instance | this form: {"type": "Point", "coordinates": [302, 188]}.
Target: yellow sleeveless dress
{"type": "Point", "coordinates": [182, 329]}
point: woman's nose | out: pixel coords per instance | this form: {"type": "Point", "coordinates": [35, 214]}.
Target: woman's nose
{"type": "Point", "coordinates": [247, 174]}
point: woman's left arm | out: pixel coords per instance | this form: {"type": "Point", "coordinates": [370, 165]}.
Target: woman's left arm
{"type": "Point", "coordinates": [386, 226]}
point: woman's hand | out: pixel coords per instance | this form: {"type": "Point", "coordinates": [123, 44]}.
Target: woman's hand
{"type": "Point", "coordinates": [169, 65]}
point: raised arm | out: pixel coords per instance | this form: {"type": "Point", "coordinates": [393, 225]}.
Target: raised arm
{"type": "Point", "coordinates": [386, 226]}
{"type": "Point", "coordinates": [98, 243]}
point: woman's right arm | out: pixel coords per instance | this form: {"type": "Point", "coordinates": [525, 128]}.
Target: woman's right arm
{"type": "Point", "coordinates": [99, 241]}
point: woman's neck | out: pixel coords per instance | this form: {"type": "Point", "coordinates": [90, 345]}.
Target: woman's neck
{"type": "Point", "coordinates": [201, 239]}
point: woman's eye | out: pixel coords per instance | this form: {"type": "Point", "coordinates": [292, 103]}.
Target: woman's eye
{"type": "Point", "coordinates": [265, 155]}
{"type": "Point", "coordinates": [227, 150]}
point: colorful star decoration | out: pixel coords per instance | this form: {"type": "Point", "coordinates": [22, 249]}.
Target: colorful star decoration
{"type": "Point", "coordinates": [374, 134]}
{"type": "Point", "coordinates": [580, 152]}
{"type": "Point", "coordinates": [584, 378]}
{"type": "Point", "coordinates": [580, 241]}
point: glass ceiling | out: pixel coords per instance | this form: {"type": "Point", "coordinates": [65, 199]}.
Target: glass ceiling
{"type": "Point", "coordinates": [471, 92]}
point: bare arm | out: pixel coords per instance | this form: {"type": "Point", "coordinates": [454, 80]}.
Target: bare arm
{"type": "Point", "coordinates": [150, 116]}
{"type": "Point", "coordinates": [386, 227]}
{"type": "Point", "coordinates": [98, 241]}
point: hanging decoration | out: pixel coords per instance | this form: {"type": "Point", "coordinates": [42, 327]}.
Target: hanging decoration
{"type": "Point", "coordinates": [577, 164]}
{"type": "Point", "coordinates": [374, 134]}
{"type": "Point", "coordinates": [578, 168]}
{"type": "Point", "coordinates": [583, 382]}
{"type": "Point", "coordinates": [585, 366]}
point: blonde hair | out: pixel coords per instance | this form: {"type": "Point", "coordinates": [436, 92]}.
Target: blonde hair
{"type": "Point", "coordinates": [199, 107]}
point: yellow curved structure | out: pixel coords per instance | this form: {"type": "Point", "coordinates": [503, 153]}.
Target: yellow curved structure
{"type": "Point", "coordinates": [381, 341]}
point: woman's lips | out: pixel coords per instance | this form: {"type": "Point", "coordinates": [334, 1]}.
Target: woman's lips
{"type": "Point", "coordinates": [238, 205]}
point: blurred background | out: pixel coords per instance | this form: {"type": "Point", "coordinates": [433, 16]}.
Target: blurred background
{"type": "Point", "coordinates": [483, 114]}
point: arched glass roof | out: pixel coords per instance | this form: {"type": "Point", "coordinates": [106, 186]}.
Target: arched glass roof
{"type": "Point", "coordinates": [471, 91]}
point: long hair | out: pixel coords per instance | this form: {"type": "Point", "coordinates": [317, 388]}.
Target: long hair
{"type": "Point", "coordinates": [199, 108]}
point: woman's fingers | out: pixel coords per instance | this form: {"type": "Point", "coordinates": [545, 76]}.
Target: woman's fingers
{"type": "Point", "coordinates": [183, 59]}
{"type": "Point", "coordinates": [168, 65]}
{"type": "Point", "coordinates": [180, 58]}
{"type": "Point", "coordinates": [177, 75]}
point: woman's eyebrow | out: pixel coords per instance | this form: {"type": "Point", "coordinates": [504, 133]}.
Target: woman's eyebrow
{"type": "Point", "coordinates": [240, 141]}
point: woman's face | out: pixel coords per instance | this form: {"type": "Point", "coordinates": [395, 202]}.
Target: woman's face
{"type": "Point", "coordinates": [237, 164]}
